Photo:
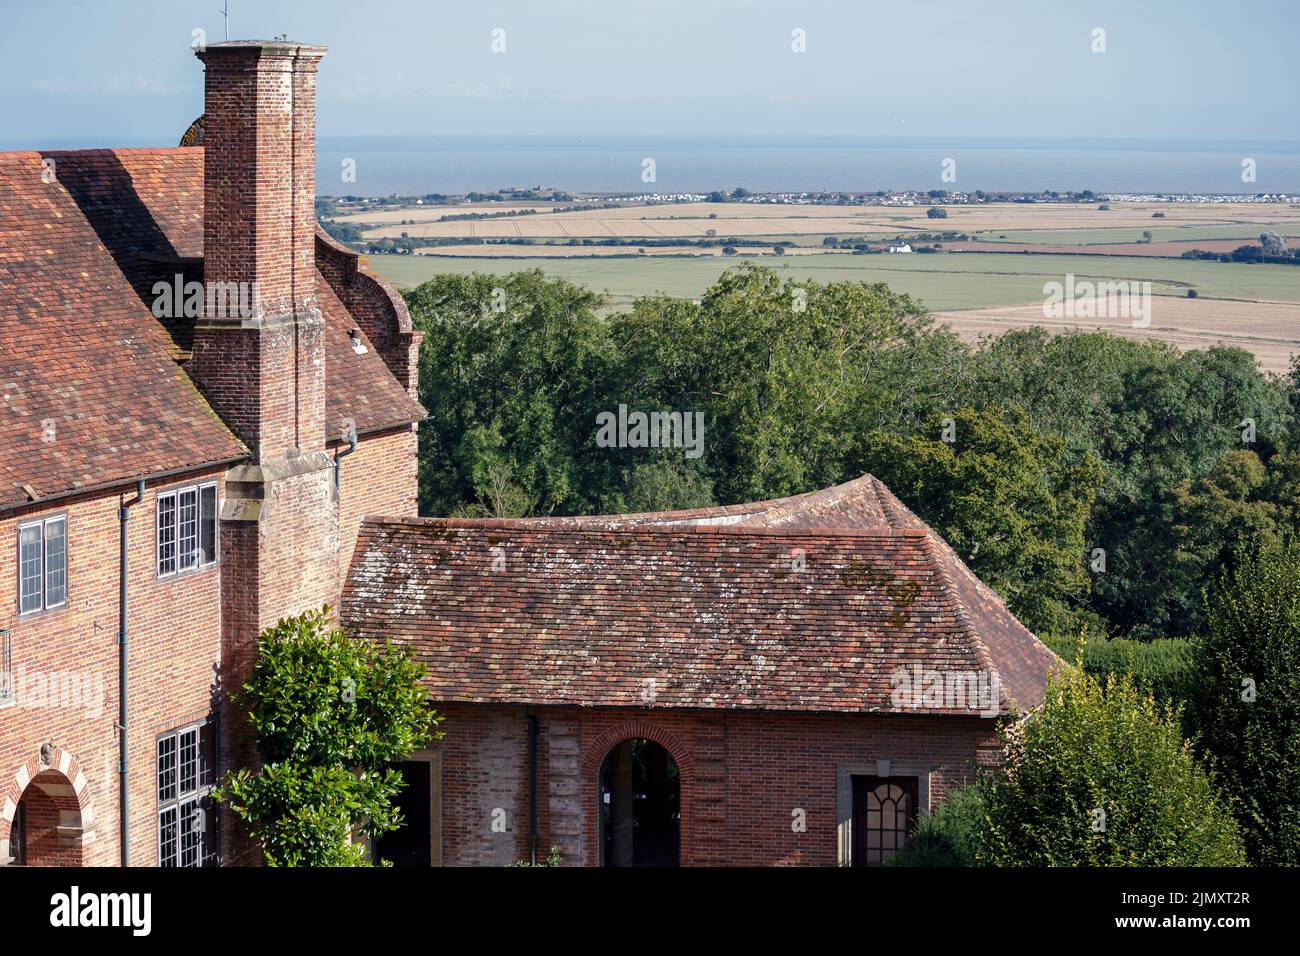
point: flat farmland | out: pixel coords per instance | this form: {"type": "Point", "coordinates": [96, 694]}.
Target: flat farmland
{"type": "Point", "coordinates": [1270, 330]}
{"type": "Point", "coordinates": [1255, 307]}
{"type": "Point", "coordinates": [1106, 235]}
{"type": "Point", "coordinates": [1021, 222]}
{"type": "Point", "coordinates": [943, 281]}
{"type": "Point", "coordinates": [1165, 249]}
{"type": "Point", "coordinates": [504, 251]}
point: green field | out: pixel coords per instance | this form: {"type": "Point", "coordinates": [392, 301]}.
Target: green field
{"type": "Point", "coordinates": [943, 281]}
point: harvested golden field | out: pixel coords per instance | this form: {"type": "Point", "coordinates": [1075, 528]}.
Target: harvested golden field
{"type": "Point", "coordinates": [430, 213]}
{"type": "Point", "coordinates": [504, 251]}
{"type": "Point", "coordinates": [1270, 330]}
{"type": "Point", "coordinates": [1163, 250]}
{"type": "Point", "coordinates": [692, 220]}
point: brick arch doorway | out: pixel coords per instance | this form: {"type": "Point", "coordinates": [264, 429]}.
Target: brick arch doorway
{"type": "Point", "coordinates": [48, 825]}
{"type": "Point", "coordinates": [640, 805]}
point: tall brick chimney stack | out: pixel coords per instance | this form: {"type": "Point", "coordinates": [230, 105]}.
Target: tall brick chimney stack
{"type": "Point", "coordinates": [264, 372]}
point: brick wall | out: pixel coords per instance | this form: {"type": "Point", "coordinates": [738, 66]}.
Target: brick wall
{"type": "Point", "coordinates": [742, 775]}
{"type": "Point", "coordinates": [43, 846]}
{"type": "Point", "coordinates": [485, 778]}
{"type": "Point", "coordinates": [175, 642]}
{"type": "Point", "coordinates": [380, 478]}
{"type": "Point", "coordinates": [283, 559]}
{"type": "Point", "coordinates": [266, 379]}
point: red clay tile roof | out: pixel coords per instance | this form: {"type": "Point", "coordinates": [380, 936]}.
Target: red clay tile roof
{"type": "Point", "coordinates": [841, 600]}
{"type": "Point", "coordinates": [79, 344]}
{"type": "Point", "coordinates": [862, 503]}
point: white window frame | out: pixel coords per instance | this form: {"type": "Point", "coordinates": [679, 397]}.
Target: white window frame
{"type": "Point", "coordinates": [44, 589]}
{"type": "Point", "coordinates": [196, 797]}
{"type": "Point", "coordinates": [175, 495]}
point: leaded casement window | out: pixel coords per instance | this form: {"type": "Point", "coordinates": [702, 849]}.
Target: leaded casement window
{"type": "Point", "coordinates": [43, 564]}
{"type": "Point", "coordinates": [187, 529]}
{"type": "Point", "coordinates": [187, 814]}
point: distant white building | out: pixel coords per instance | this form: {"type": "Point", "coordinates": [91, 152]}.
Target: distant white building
{"type": "Point", "coordinates": [902, 247]}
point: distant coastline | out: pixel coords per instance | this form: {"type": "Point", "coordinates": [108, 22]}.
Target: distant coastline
{"type": "Point", "coordinates": [609, 165]}
{"type": "Point", "coordinates": [618, 165]}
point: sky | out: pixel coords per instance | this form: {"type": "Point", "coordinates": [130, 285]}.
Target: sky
{"type": "Point", "coordinates": [121, 72]}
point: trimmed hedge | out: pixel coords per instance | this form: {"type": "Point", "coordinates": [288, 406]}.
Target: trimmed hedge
{"type": "Point", "coordinates": [1165, 668]}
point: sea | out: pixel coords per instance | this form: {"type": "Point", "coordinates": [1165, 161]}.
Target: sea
{"type": "Point", "coordinates": [669, 165]}
{"type": "Point", "coordinates": [418, 165]}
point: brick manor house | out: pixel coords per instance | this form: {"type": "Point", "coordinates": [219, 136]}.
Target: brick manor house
{"type": "Point", "coordinates": [785, 682]}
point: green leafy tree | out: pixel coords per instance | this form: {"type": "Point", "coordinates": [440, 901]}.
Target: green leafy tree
{"type": "Point", "coordinates": [1155, 418]}
{"type": "Point", "coordinates": [499, 496]}
{"type": "Point", "coordinates": [665, 483]}
{"type": "Point", "coordinates": [1248, 702]}
{"type": "Point", "coordinates": [1100, 775]}
{"type": "Point", "coordinates": [1230, 508]}
{"type": "Point", "coordinates": [1291, 388]}
{"type": "Point", "coordinates": [1010, 501]}
{"type": "Point", "coordinates": [1165, 668]}
{"type": "Point", "coordinates": [513, 368]}
{"type": "Point", "coordinates": [792, 368]}
{"type": "Point", "coordinates": [330, 715]}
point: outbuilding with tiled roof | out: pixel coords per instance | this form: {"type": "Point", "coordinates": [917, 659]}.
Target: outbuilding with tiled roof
{"type": "Point", "coordinates": [685, 686]}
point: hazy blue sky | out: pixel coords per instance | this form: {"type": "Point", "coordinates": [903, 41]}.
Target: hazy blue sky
{"type": "Point", "coordinates": [120, 72]}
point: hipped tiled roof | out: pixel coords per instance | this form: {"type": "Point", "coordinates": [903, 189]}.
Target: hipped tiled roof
{"type": "Point", "coordinates": [82, 240]}
{"type": "Point", "coordinates": [813, 603]}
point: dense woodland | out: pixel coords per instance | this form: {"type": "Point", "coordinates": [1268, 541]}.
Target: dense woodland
{"type": "Point", "coordinates": [1062, 447]}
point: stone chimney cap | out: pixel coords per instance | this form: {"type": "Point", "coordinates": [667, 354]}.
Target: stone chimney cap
{"type": "Point", "coordinates": [264, 48]}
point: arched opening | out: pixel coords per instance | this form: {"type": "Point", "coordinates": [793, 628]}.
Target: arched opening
{"type": "Point", "coordinates": [47, 827]}
{"type": "Point", "coordinates": [640, 806]}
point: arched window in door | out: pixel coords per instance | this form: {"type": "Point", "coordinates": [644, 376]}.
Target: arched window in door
{"type": "Point", "coordinates": [884, 809]}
